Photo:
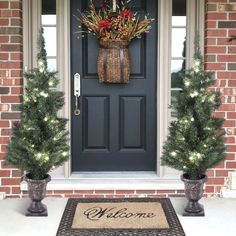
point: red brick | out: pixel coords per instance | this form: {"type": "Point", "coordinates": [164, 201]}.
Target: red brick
{"type": "Point", "coordinates": [63, 191]}
{"type": "Point", "coordinates": [4, 22]}
{"type": "Point", "coordinates": [16, 73]}
{"type": "Point", "coordinates": [4, 107]}
{"type": "Point", "coordinates": [11, 48]}
{"type": "Point", "coordinates": [226, 58]}
{"type": "Point", "coordinates": [4, 39]}
{"type": "Point", "coordinates": [16, 173]}
{"type": "Point", "coordinates": [216, 33]}
{"type": "Point", "coordinates": [11, 181]}
{"type": "Point", "coordinates": [210, 41]}
{"type": "Point", "coordinates": [209, 189]}
{"type": "Point", "coordinates": [125, 192]}
{"type": "Point", "coordinates": [231, 165]}
{"type": "Point", "coordinates": [4, 123]}
{"type": "Point", "coordinates": [17, 13]}
{"type": "Point", "coordinates": [16, 22]}
{"type": "Point", "coordinates": [231, 115]}
{"type": "Point", "coordinates": [4, 4]}
{"type": "Point", "coordinates": [16, 90]}
{"type": "Point", "coordinates": [165, 191]}
{"type": "Point", "coordinates": [232, 16]}
{"type": "Point", "coordinates": [2, 156]}
{"type": "Point", "coordinates": [210, 173]}
{"type": "Point", "coordinates": [4, 148]}
{"type": "Point", "coordinates": [216, 49]}
{"type": "Point", "coordinates": [5, 13]}
{"type": "Point", "coordinates": [15, 190]}
{"type": "Point", "coordinates": [220, 165]}
{"type": "Point", "coordinates": [227, 107]}
{"type": "Point", "coordinates": [84, 191]}
{"type": "Point", "coordinates": [215, 66]}
{"type": "Point", "coordinates": [232, 49]}
{"type": "Point", "coordinates": [4, 140]}
{"type": "Point", "coordinates": [6, 132]}
{"type": "Point", "coordinates": [4, 56]}
{"type": "Point", "coordinates": [10, 99]}
{"type": "Point", "coordinates": [6, 81]}
{"type": "Point", "coordinates": [229, 140]}
{"type": "Point", "coordinates": [73, 196]}
{"type": "Point", "coordinates": [216, 181]}
{"type": "Point", "coordinates": [11, 65]}
{"type": "Point", "coordinates": [230, 156]}
{"type": "Point", "coordinates": [229, 123]}
{"type": "Point", "coordinates": [145, 191]}
{"type": "Point", "coordinates": [211, 24]}
{"type": "Point", "coordinates": [219, 114]}
{"type": "Point", "coordinates": [222, 173]}
{"type": "Point", "coordinates": [225, 41]}
{"type": "Point", "coordinates": [94, 196]}
{"type": "Point", "coordinates": [114, 196]}
{"type": "Point", "coordinates": [5, 173]}
{"type": "Point", "coordinates": [18, 81]}
{"type": "Point", "coordinates": [16, 56]}
{"type": "Point", "coordinates": [211, 7]}
{"type": "Point", "coordinates": [15, 5]}
{"type": "Point", "coordinates": [5, 189]}
{"type": "Point", "coordinates": [232, 83]}
{"type": "Point", "coordinates": [231, 148]}
{"type": "Point", "coordinates": [216, 16]}
{"type": "Point", "coordinates": [104, 191]}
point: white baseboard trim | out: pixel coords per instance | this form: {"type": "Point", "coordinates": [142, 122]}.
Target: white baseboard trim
{"type": "Point", "coordinates": [2, 196]}
{"type": "Point", "coordinates": [148, 182]}
{"type": "Point", "coordinates": [228, 193]}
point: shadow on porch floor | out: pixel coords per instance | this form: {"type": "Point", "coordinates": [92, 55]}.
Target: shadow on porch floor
{"type": "Point", "coordinates": [219, 220]}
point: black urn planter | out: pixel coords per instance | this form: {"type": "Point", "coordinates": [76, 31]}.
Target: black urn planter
{"type": "Point", "coordinates": [37, 192]}
{"type": "Point", "coordinates": [193, 192]}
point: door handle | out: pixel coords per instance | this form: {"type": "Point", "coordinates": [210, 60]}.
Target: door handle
{"type": "Point", "coordinates": [77, 93]}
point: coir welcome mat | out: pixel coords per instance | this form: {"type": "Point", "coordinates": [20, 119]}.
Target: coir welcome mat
{"type": "Point", "coordinates": [120, 217]}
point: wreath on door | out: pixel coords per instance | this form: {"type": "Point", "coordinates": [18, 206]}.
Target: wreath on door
{"type": "Point", "coordinates": [115, 26]}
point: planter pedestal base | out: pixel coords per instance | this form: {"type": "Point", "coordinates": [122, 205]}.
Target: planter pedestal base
{"type": "Point", "coordinates": [200, 213]}
{"type": "Point", "coordinates": [44, 212]}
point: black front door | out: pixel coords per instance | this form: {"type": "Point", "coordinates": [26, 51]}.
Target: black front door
{"type": "Point", "coordinates": [116, 130]}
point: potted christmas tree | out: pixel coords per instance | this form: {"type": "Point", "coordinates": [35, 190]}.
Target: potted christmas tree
{"type": "Point", "coordinates": [195, 141]}
{"type": "Point", "coordinates": [40, 141]}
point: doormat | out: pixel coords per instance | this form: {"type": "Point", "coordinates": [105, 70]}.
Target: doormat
{"type": "Point", "coordinates": [120, 217]}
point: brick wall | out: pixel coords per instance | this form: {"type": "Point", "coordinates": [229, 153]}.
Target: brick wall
{"type": "Point", "coordinates": [11, 85]}
{"type": "Point", "coordinates": [220, 57]}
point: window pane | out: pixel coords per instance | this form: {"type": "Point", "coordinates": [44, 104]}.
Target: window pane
{"type": "Point", "coordinates": [49, 19]}
{"type": "Point", "coordinates": [178, 42]}
{"type": "Point", "coordinates": [179, 7]}
{"type": "Point", "coordinates": [173, 98]}
{"type": "Point", "coordinates": [179, 21]}
{"type": "Point", "coordinates": [52, 64]}
{"type": "Point", "coordinates": [177, 65]}
{"type": "Point", "coordinates": [50, 36]}
{"type": "Point", "coordinates": [48, 7]}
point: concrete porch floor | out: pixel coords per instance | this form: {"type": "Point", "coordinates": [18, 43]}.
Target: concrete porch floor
{"type": "Point", "coordinates": [220, 218]}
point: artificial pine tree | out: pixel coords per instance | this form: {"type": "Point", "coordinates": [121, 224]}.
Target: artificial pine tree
{"type": "Point", "coordinates": [40, 141]}
{"type": "Point", "coordinates": [195, 141]}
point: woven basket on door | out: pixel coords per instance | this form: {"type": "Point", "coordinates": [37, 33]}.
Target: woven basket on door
{"type": "Point", "coordinates": [113, 62]}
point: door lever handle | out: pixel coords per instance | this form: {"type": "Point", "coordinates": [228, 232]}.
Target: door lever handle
{"type": "Point", "coordinates": [77, 84]}
{"type": "Point", "coordinates": [77, 93]}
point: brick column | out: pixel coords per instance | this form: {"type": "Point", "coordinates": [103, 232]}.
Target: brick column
{"type": "Point", "coordinates": [221, 58]}
{"type": "Point", "coordinates": [11, 86]}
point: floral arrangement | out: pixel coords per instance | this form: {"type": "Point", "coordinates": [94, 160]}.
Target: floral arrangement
{"type": "Point", "coordinates": [114, 23]}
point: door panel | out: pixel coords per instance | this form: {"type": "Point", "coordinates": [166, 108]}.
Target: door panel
{"type": "Point", "coordinates": [116, 130]}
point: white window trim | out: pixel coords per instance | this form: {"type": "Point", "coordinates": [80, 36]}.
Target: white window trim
{"type": "Point", "coordinates": [31, 21]}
